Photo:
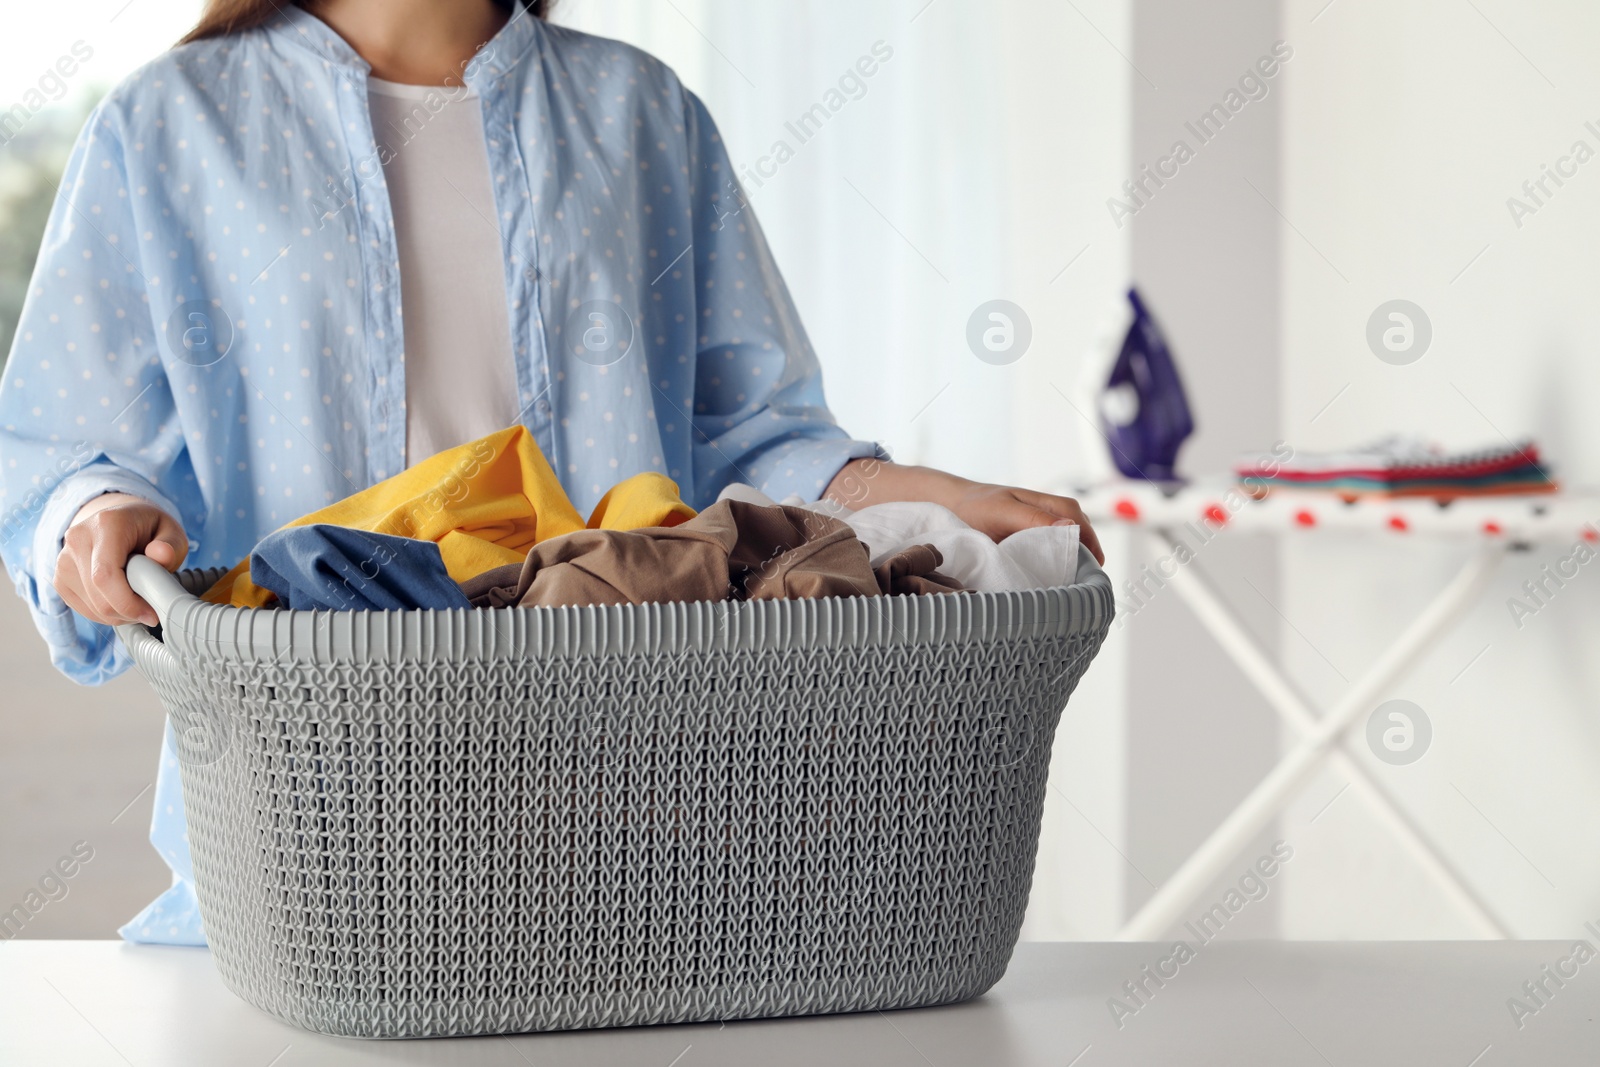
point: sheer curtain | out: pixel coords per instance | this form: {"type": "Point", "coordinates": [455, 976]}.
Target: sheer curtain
{"type": "Point", "coordinates": [973, 164]}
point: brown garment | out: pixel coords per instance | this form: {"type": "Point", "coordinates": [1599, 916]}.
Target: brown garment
{"type": "Point", "coordinates": [913, 572]}
{"type": "Point", "coordinates": [732, 550]}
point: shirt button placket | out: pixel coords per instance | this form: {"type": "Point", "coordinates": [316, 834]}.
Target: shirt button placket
{"type": "Point", "coordinates": [533, 364]}
{"type": "Point", "coordinates": [379, 248]}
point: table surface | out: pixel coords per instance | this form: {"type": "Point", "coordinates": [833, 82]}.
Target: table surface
{"type": "Point", "coordinates": [1238, 1003]}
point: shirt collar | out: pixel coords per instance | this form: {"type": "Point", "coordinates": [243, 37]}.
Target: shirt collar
{"type": "Point", "coordinates": [504, 52]}
{"type": "Point", "coordinates": [300, 26]}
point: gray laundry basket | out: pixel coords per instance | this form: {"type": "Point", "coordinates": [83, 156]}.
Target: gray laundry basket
{"type": "Point", "coordinates": [409, 824]}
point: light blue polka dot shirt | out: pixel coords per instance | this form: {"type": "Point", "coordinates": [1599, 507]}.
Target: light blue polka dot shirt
{"type": "Point", "coordinates": [215, 322]}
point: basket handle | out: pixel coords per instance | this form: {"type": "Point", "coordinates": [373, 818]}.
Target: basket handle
{"type": "Point", "coordinates": [158, 586]}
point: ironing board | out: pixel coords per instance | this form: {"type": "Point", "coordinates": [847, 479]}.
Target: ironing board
{"type": "Point", "coordinates": [1487, 527]}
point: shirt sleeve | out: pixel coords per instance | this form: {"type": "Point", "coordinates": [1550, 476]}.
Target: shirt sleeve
{"type": "Point", "coordinates": [85, 404]}
{"type": "Point", "coordinates": [759, 412]}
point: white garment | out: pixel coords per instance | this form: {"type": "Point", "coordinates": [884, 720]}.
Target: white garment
{"type": "Point", "coordinates": [1029, 559]}
{"type": "Point", "coordinates": [460, 380]}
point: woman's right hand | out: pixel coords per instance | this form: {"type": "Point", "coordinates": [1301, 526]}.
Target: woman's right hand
{"type": "Point", "coordinates": [91, 572]}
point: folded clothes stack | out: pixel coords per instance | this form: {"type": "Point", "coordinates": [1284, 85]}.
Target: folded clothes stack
{"type": "Point", "coordinates": [487, 525]}
{"type": "Point", "coordinates": [1401, 466]}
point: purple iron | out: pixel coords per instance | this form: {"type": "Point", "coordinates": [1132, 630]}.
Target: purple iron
{"type": "Point", "coordinates": [1143, 409]}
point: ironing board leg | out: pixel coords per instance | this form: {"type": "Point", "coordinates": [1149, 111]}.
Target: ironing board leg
{"type": "Point", "coordinates": [1320, 738]}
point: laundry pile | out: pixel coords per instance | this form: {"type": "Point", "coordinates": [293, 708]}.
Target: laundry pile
{"type": "Point", "coordinates": [488, 525]}
{"type": "Point", "coordinates": [1403, 466]}
{"type": "Point", "coordinates": [1028, 559]}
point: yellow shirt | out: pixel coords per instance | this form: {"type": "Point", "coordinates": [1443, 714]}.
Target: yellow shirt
{"type": "Point", "coordinates": [485, 503]}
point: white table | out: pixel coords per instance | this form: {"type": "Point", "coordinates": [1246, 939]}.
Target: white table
{"type": "Point", "coordinates": [1482, 528]}
{"type": "Point", "coordinates": [1240, 1003]}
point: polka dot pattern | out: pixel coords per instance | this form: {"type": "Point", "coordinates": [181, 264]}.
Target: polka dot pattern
{"type": "Point", "coordinates": [215, 320]}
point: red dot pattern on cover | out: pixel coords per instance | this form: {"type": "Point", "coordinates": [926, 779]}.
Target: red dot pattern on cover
{"type": "Point", "coordinates": [1216, 515]}
{"type": "Point", "coordinates": [1127, 509]}
{"type": "Point", "coordinates": [1591, 534]}
{"type": "Point", "coordinates": [1305, 518]}
{"type": "Point", "coordinates": [1492, 528]}
{"type": "Point", "coordinates": [1398, 522]}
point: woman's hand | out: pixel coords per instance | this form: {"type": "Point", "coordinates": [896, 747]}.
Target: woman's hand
{"type": "Point", "coordinates": [1001, 510]}
{"type": "Point", "coordinates": [91, 572]}
{"type": "Point", "coordinates": [997, 510]}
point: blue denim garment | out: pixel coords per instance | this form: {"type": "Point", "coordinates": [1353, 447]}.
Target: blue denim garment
{"type": "Point", "coordinates": [335, 568]}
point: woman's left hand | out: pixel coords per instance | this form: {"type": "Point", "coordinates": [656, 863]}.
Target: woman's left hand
{"type": "Point", "coordinates": [997, 510]}
{"type": "Point", "coordinates": [1002, 510]}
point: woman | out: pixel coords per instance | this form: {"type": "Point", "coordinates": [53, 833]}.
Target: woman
{"type": "Point", "coordinates": [312, 245]}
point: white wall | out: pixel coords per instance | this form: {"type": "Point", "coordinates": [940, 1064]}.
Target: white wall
{"type": "Point", "coordinates": [990, 143]}
{"type": "Point", "coordinates": [975, 167]}
{"type": "Point", "coordinates": [119, 39]}
{"type": "Point", "coordinates": [1205, 254]}
{"type": "Point", "coordinates": [1407, 127]}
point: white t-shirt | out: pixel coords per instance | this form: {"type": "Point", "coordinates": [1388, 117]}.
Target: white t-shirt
{"type": "Point", "coordinates": [460, 380]}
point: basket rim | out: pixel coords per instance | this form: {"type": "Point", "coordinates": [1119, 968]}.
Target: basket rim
{"type": "Point", "coordinates": [193, 628]}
